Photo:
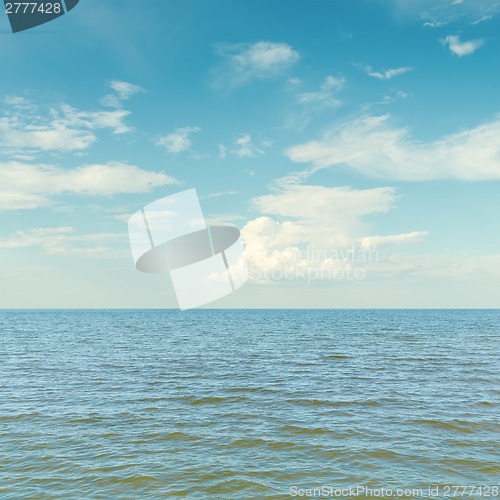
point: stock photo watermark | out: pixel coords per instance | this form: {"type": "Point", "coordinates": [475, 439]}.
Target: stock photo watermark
{"type": "Point", "coordinates": [442, 491]}
{"type": "Point", "coordinates": [171, 235]}
{"type": "Point", "coordinates": [26, 15]}
{"type": "Point", "coordinates": [312, 264]}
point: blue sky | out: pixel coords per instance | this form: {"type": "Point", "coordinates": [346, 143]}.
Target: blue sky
{"type": "Point", "coordinates": [333, 125]}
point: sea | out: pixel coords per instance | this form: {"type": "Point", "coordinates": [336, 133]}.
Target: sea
{"type": "Point", "coordinates": [249, 404]}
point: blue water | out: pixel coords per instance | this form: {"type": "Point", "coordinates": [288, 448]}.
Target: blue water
{"type": "Point", "coordinates": [246, 404]}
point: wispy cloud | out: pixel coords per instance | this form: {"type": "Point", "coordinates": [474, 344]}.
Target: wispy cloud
{"type": "Point", "coordinates": [385, 74]}
{"type": "Point", "coordinates": [244, 148]}
{"type": "Point", "coordinates": [440, 265]}
{"type": "Point", "coordinates": [261, 60]}
{"type": "Point", "coordinates": [459, 48]}
{"type": "Point", "coordinates": [398, 239]}
{"type": "Point", "coordinates": [177, 141]}
{"type": "Point", "coordinates": [439, 12]}
{"type": "Point", "coordinates": [486, 17]}
{"type": "Point", "coordinates": [392, 96]}
{"type": "Point", "coordinates": [434, 24]}
{"type": "Point", "coordinates": [27, 127]}
{"type": "Point", "coordinates": [325, 96]}
{"type": "Point", "coordinates": [217, 195]}
{"type": "Point", "coordinates": [222, 151]}
{"type": "Point", "coordinates": [223, 219]}
{"type": "Point", "coordinates": [27, 186]}
{"type": "Point", "coordinates": [63, 241]}
{"type": "Point", "coordinates": [123, 92]}
{"type": "Point", "coordinates": [371, 146]}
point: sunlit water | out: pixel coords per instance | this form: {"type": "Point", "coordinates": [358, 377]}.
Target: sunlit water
{"type": "Point", "coordinates": [245, 404]}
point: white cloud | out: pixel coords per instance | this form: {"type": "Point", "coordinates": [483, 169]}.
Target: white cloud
{"type": "Point", "coordinates": [50, 137]}
{"type": "Point", "coordinates": [222, 151]}
{"type": "Point", "coordinates": [394, 96]}
{"type": "Point", "coordinates": [325, 219]}
{"type": "Point", "coordinates": [459, 48]}
{"type": "Point", "coordinates": [372, 147]}
{"type": "Point", "coordinates": [36, 128]}
{"type": "Point", "coordinates": [245, 148]}
{"type": "Point", "coordinates": [217, 195]}
{"type": "Point", "coordinates": [18, 102]}
{"type": "Point", "coordinates": [104, 119]}
{"type": "Point", "coordinates": [333, 82]}
{"type": "Point", "coordinates": [26, 186]}
{"type": "Point", "coordinates": [124, 89]}
{"type": "Point", "coordinates": [397, 239]}
{"type": "Point", "coordinates": [123, 92]}
{"type": "Point", "coordinates": [223, 219]}
{"type": "Point", "coordinates": [244, 62]}
{"type": "Point", "coordinates": [111, 101]}
{"type": "Point", "coordinates": [325, 95]}
{"type": "Point", "coordinates": [177, 141]}
{"type": "Point", "coordinates": [444, 11]}
{"type": "Point", "coordinates": [434, 24]}
{"type": "Point", "coordinates": [386, 74]}
{"type": "Point", "coordinates": [22, 201]}
{"type": "Point", "coordinates": [265, 57]}
{"type": "Point", "coordinates": [63, 241]}
{"type": "Point", "coordinates": [325, 203]}
{"type": "Point", "coordinates": [486, 17]}
{"type": "Point", "coordinates": [438, 265]}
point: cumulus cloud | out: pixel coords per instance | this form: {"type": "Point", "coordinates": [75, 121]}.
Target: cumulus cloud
{"type": "Point", "coordinates": [244, 62]}
{"type": "Point", "coordinates": [308, 227]}
{"type": "Point", "coordinates": [177, 141]}
{"type": "Point", "coordinates": [371, 146]}
{"type": "Point", "coordinates": [459, 48]}
{"type": "Point", "coordinates": [27, 186]}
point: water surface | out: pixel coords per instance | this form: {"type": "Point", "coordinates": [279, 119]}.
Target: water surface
{"type": "Point", "coordinates": [245, 404]}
